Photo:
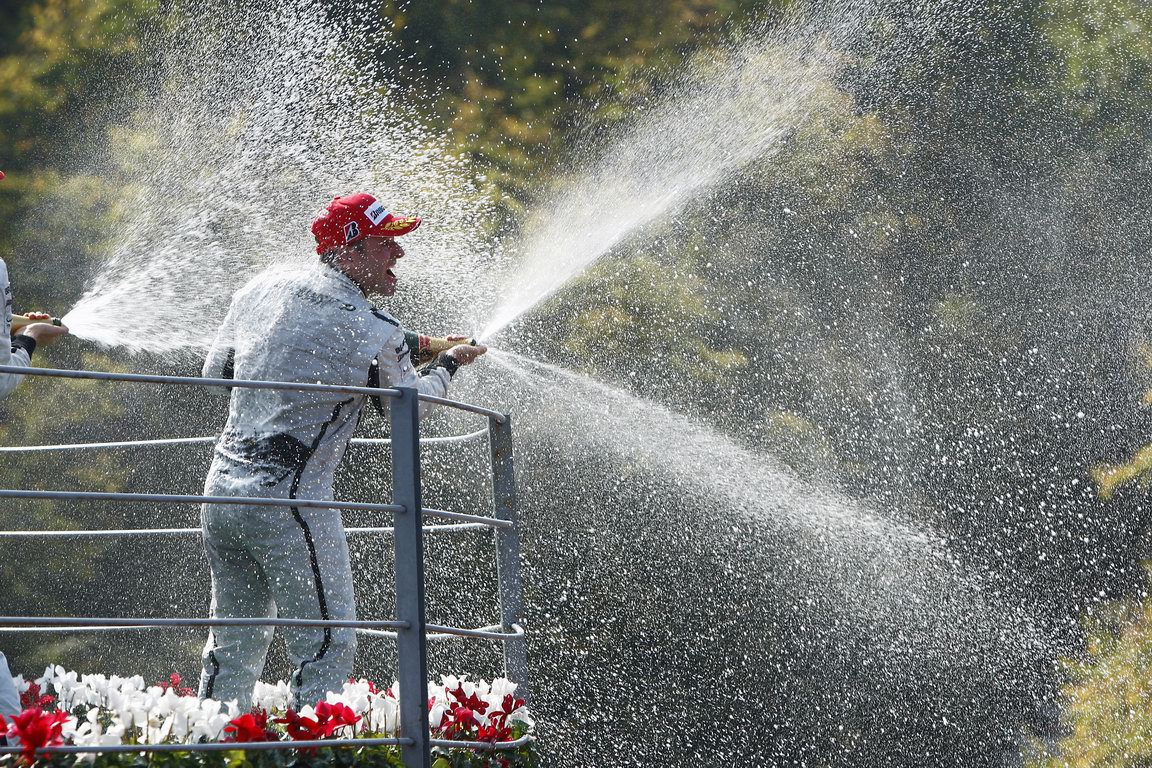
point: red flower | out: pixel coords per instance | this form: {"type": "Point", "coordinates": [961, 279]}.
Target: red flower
{"type": "Point", "coordinates": [300, 728]}
{"type": "Point", "coordinates": [493, 733]}
{"type": "Point", "coordinates": [473, 702]}
{"type": "Point", "coordinates": [507, 707]}
{"type": "Point", "coordinates": [457, 720]}
{"type": "Point", "coordinates": [32, 698]}
{"type": "Point", "coordinates": [174, 680]}
{"type": "Point", "coordinates": [465, 717]}
{"type": "Point", "coordinates": [332, 717]}
{"type": "Point", "coordinates": [250, 727]}
{"type": "Point", "coordinates": [37, 730]}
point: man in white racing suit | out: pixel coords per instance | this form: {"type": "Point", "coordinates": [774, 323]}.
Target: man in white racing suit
{"type": "Point", "coordinates": [316, 325]}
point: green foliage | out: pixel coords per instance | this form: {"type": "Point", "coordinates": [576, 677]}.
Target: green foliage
{"type": "Point", "coordinates": [67, 52]}
{"type": "Point", "coordinates": [1106, 717]}
{"type": "Point", "coordinates": [1106, 48]}
{"type": "Point", "coordinates": [662, 313]}
{"type": "Point", "coordinates": [1137, 469]}
{"type": "Point", "coordinates": [522, 78]}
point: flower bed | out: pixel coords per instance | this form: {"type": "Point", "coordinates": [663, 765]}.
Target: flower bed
{"type": "Point", "coordinates": [64, 708]}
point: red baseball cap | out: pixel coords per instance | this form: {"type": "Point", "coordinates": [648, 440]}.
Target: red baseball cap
{"type": "Point", "coordinates": [352, 217]}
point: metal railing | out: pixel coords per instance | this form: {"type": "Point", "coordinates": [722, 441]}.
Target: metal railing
{"type": "Point", "coordinates": [410, 629]}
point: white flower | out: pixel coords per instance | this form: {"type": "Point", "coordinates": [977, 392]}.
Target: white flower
{"type": "Point", "coordinates": [272, 697]}
{"type": "Point", "coordinates": [185, 711]}
{"type": "Point", "coordinates": [96, 684]}
{"type": "Point", "coordinates": [502, 687]}
{"type": "Point", "coordinates": [354, 696]}
{"type": "Point", "coordinates": [436, 714]}
{"type": "Point", "coordinates": [383, 713]}
{"type": "Point", "coordinates": [211, 727]}
{"type": "Point", "coordinates": [521, 714]}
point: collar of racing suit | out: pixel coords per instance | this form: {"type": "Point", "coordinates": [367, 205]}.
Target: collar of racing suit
{"type": "Point", "coordinates": [341, 281]}
{"type": "Point", "coordinates": [334, 275]}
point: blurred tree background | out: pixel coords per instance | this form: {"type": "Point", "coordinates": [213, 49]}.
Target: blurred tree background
{"type": "Point", "coordinates": [933, 300]}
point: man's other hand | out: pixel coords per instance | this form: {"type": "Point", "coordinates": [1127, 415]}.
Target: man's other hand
{"type": "Point", "coordinates": [466, 353]}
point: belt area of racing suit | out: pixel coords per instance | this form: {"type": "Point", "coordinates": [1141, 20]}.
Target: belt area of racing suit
{"type": "Point", "coordinates": [269, 459]}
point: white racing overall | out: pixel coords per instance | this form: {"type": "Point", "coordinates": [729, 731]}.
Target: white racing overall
{"type": "Point", "coordinates": [312, 326]}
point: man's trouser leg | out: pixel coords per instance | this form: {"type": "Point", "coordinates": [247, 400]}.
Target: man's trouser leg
{"type": "Point", "coordinates": [233, 657]}
{"type": "Point", "coordinates": [9, 696]}
{"type": "Point", "coordinates": [310, 575]}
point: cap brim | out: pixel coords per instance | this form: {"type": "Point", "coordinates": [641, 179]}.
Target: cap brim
{"type": "Point", "coordinates": [394, 226]}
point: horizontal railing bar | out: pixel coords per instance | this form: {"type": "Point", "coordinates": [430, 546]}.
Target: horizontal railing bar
{"type": "Point", "coordinates": [491, 522]}
{"type": "Point", "coordinates": [485, 633]}
{"type": "Point", "coordinates": [269, 745]}
{"type": "Point", "coordinates": [488, 632]}
{"type": "Point", "coordinates": [133, 627]}
{"type": "Point", "coordinates": [253, 501]}
{"type": "Point", "coordinates": [424, 440]}
{"type": "Point", "coordinates": [92, 446]}
{"type": "Point", "coordinates": [208, 439]}
{"type": "Point", "coordinates": [148, 378]}
{"type": "Point", "coordinates": [296, 386]}
{"type": "Point", "coordinates": [66, 628]}
{"type": "Point", "coordinates": [494, 745]}
{"type": "Point", "coordinates": [169, 498]}
{"type": "Point", "coordinates": [214, 746]}
{"type": "Point", "coordinates": [464, 406]}
{"type": "Point", "coordinates": [106, 621]}
{"type": "Point", "coordinates": [445, 528]}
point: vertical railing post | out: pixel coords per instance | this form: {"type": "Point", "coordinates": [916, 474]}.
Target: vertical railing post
{"type": "Point", "coordinates": [508, 551]}
{"type": "Point", "coordinates": [411, 644]}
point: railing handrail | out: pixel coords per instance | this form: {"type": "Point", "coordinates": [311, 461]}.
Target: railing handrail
{"type": "Point", "coordinates": [151, 378]}
{"type": "Point", "coordinates": [196, 621]}
{"type": "Point", "coordinates": [209, 439]}
{"type": "Point", "coordinates": [462, 406]}
{"type": "Point", "coordinates": [180, 498]}
{"type": "Point", "coordinates": [244, 501]}
{"type": "Point", "coordinates": [372, 626]}
{"type": "Point", "coordinates": [79, 534]}
{"type": "Point", "coordinates": [440, 631]}
{"type": "Point", "coordinates": [298, 386]}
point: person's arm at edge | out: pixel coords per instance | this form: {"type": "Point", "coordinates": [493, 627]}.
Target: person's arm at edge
{"type": "Point", "coordinates": [220, 362]}
{"type": "Point", "coordinates": [18, 351]}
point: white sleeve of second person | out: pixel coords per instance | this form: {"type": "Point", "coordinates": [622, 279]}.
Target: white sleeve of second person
{"type": "Point", "coordinates": [218, 364]}
{"type": "Point", "coordinates": [9, 354]}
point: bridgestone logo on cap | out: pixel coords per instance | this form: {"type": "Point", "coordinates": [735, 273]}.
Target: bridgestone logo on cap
{"type": "Point", "coordinates": [351, 231]}
{"type": "Point", "coordinates": [376, 213]}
